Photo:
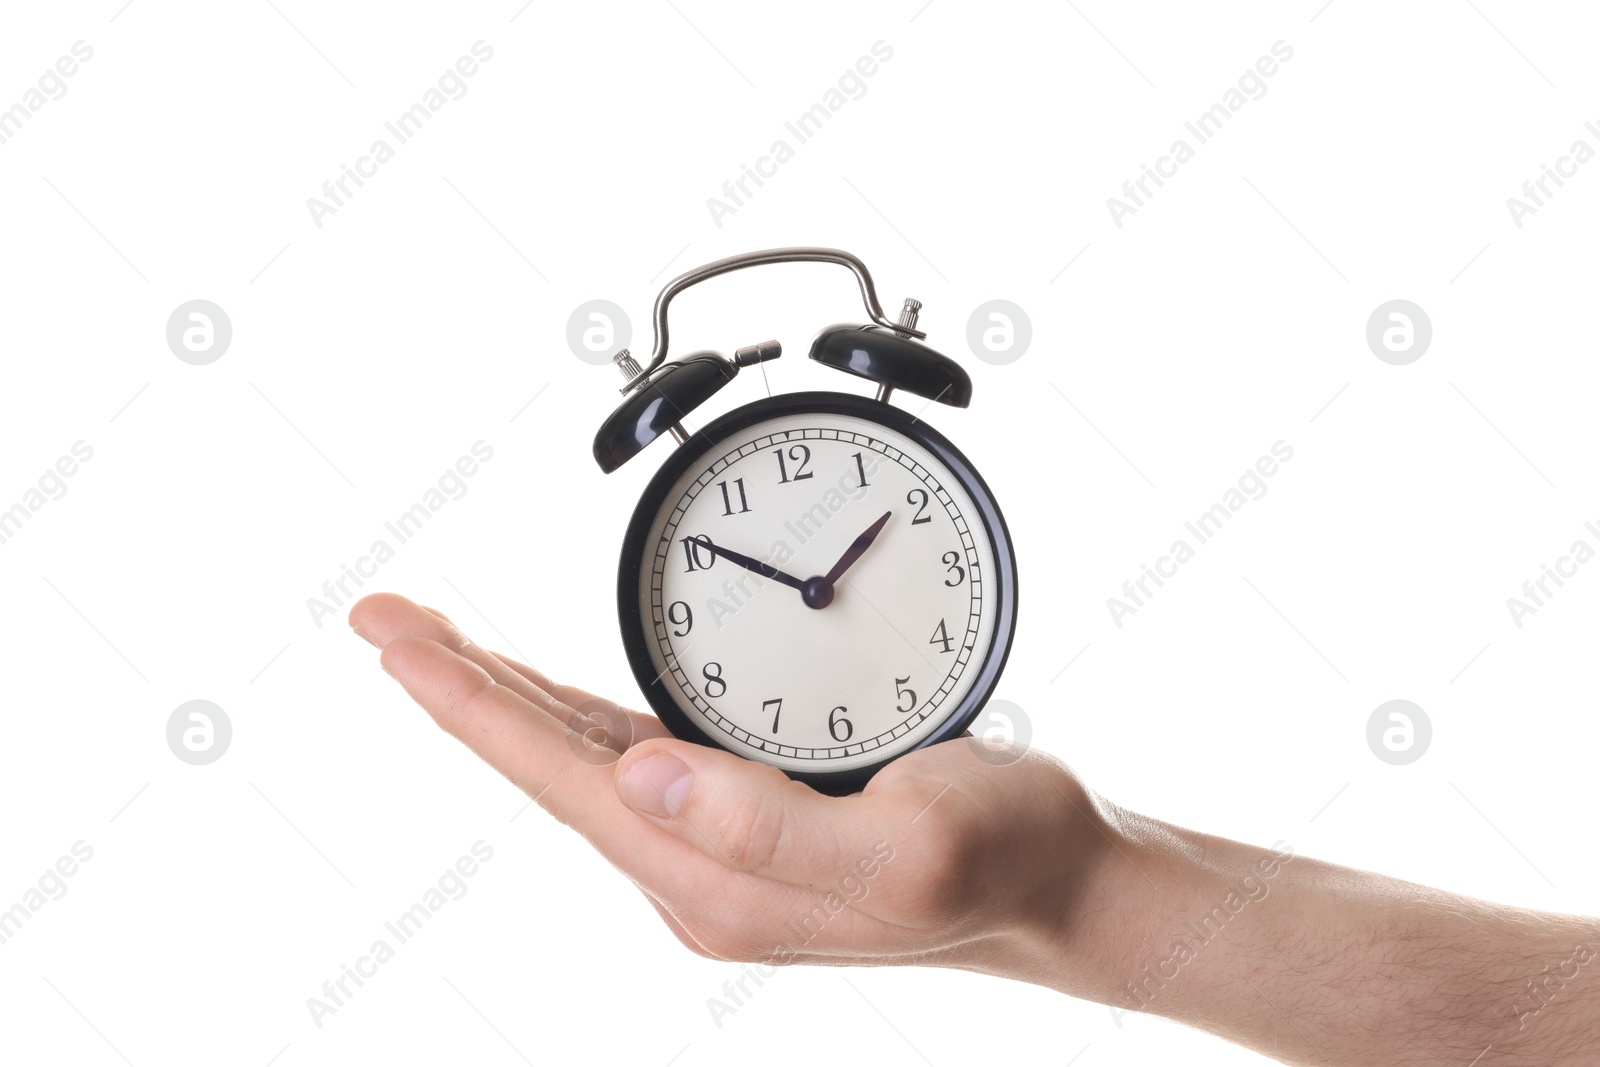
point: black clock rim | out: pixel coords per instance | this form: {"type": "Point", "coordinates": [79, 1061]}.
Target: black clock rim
{"type": "Point", "coordinates": [635, 637]}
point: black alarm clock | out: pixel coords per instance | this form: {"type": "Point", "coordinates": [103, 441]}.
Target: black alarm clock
{"type": "Point", "coordinates": [820, 581]}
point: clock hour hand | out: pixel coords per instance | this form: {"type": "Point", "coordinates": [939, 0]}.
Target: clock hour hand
{"type": "Point", "coordinates": [766, 570]}
{"type": "Point", "coordinates": [857, 548]}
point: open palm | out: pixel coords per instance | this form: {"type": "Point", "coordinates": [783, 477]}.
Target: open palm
{"type": "Point", "coordinates": [937, 861]}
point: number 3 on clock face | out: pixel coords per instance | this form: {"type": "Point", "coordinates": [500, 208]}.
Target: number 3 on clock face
{"type": "Point", "coordinates": [818, 581]}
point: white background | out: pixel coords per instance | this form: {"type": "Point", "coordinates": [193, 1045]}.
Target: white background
{"type": "Point", "coordinates": [369, 353]}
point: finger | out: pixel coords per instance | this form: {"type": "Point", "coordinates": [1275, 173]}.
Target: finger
{"type": "Point", "coordinates": [513, 734]}
{"type": "Point", "coordinates": [582, 699]}
{"type": "Point", "coordinates": [384, 617]}
{"type": "Point", "coordinates": [752, 818]}
{"type": "Point", "coordinates": [533, 674]}
{"type": "Point", "coordinates": [679, 931]}
{"type": "Point", "coordinates": [628, 726]}
{"type": "Point", "coordinates": [532, 750]}
{"type": "Point", "coordinates": [501, 725]}
{"type": "Point", "coordinates": [768, 921]}
{"type": "Point", "coordinates": [390, 615]}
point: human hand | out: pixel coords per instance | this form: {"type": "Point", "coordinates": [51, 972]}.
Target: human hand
{"type": "Point", "coordinates": [945, 858]}
{"type": "Point", "coordinates": [1012, 869]}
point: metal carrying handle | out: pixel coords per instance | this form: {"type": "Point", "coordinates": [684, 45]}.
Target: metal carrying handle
{"type": "Point", "coordinates": [869, 296]}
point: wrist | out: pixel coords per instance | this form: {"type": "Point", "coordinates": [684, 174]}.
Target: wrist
{"type": "Point", "coordinates": [1088, 899]}
{"type": "Point", "coordinates": [1130, 876]}
{"type": "Point", "coordinates": [1126, 903]}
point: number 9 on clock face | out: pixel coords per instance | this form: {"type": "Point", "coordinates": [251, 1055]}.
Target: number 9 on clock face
{"type": "Point", "coordinates": [817, 581]}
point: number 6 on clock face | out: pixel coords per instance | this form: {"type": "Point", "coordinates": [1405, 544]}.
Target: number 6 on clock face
{"type": "Point", "coordinates": [818, 581]}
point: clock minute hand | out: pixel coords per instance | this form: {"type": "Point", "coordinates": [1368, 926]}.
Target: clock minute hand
{"type": "Point", "coordinates": [857, 548]}
{"type": "Point", "coordinates": [766, 570]}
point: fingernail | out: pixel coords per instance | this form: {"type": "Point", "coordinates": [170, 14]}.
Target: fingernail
{"type": "Point", "coordinates": [365, 636]}
{"type": "Point", "coordinates": [656, 785]}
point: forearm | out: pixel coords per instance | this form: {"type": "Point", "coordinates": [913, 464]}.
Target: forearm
{"type": "Point", "coordinates": [1312, 963]}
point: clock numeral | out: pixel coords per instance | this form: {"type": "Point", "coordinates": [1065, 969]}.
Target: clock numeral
{"type": "Point", "coordinates": [840, 727]}
{"type": "Point", "coordinates": [687, 620]}
{"type": "Point", "coordinates": [714, 680]}
{"type": "Point", "coordinates": [953, 561]}
{"type": "Point", "coordinates": [920, 505]}
{"type": "Point", "coordinates": [777, 709]}
{"type": "Point", "coordinates": [801, 455]}
{"type": "Point", "coordinates": [903, 693]}
{"type": "Point", "coordinates": [861, 472]}
{"type": "Point", "coordinates": [942, 639]}
{"type": "Point", "coordinates": [697, 553]}
{"type": "Point", "coordinates": [727, 503]}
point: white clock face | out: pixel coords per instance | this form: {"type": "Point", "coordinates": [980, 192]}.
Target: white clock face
{"type": "Point", "coordinates": [870, 671]}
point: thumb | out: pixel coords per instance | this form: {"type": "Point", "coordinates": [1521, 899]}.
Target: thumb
{"type": "Point", "coordinates": [746, 815]}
